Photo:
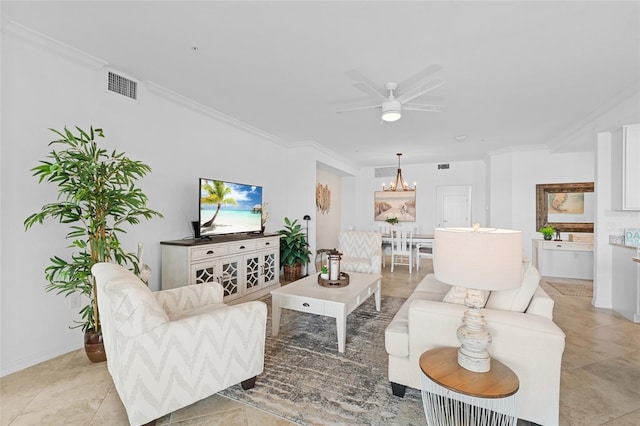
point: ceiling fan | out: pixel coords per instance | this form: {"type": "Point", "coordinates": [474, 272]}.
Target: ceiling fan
{"type": "Point", "coordinates": [392, 105]}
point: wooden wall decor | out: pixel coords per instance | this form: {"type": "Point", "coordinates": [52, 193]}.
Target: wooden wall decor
{"type": "Point", "coordinates": [548, 214]}
{"type": "Point", "coordinates": [323, 198]}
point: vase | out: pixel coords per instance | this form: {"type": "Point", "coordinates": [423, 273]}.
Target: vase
{"type": "Point", "coordinates": [547, 237]}
{"type": "Point", "coordinates": [94, 347]}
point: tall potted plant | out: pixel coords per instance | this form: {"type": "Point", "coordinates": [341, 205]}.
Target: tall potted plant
{"type": "Point", "coordinates": [97, 194]}
{"type": "Point", "coordinates": [294, 249]}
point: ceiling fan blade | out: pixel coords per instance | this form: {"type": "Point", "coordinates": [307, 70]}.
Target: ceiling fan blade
{"type": "Point", "coordinates": [366, 85]}
{"type": "Point", "coordinates": [412, 94]}
{"type": "Point", "coordinates": [369, 90]}
{"type": "Point", "coordinates": [418, 77]}
{"type": "Point", "coordinates": [359, 108]}
{"type": "Point", "coordinates": [423, 107]}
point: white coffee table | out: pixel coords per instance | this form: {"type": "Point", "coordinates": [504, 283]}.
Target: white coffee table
{"type": "Point", "coordinates": [306, 295]}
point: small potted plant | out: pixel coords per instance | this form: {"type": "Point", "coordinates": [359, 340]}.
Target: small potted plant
{"type": "Point", "coordinates": [392, 220]}
{"type": "Point", "coordinates": [324, 273]}
{"type": "Point", "coordinates": [294, 250]}
{"type": "Point", "coordinates": [547, 231]}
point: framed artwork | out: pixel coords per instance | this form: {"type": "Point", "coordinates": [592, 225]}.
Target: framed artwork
{"type": "Point", "coordinates": [400, 204]}
{"type": "Point", "coordinates": [323, 198]}
{"type": "Point", "coordinates": [568, 207]}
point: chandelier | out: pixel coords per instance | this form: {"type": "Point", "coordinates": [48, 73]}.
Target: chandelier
{"type": "Point", "coordinates": [399, 180]}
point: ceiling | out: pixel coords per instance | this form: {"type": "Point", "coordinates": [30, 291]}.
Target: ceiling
{"type": "Point", "coordinates": [516, 73]}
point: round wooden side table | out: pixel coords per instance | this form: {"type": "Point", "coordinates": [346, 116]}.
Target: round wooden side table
{"type": "Point", "coordinates": [453, 395]}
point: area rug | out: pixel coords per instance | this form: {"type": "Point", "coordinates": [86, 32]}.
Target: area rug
{"type": "Point", "coordinates": [307, 381]}
{"type": "Point", "coordinates": [573, 287]}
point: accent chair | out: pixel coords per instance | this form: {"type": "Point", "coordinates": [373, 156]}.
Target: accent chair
{"type": "Point", "coordinates": [169, 349]}
{"type": "Point", "coordinates": [361, 251]}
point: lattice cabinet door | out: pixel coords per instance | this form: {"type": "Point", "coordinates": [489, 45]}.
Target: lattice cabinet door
{"type": "Point", "coordinates": [204, 272]}
{"type": "Point", "coordinates": [225, 271]}
{"type": "Point", "coordinates": [252, 272]}
{"type": "Point", "coordinates": [270, 267]}
{"type": "Point", "coordinates": [230, 277]}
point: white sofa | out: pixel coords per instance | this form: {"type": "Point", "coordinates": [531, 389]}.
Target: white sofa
{"type": "Point", "coordinates": [361, 251]}
{"type": "Point", "coordinates": [169, 349]}
{"type": "Point", "coordinates": [524, 337]}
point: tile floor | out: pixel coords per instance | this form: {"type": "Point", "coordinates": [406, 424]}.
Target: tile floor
{"type": "Point", "coordinates": [600, 382]}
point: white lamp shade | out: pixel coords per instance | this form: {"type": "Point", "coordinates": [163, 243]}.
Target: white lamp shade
{"type": "Point", "coordinates": [483, 259]}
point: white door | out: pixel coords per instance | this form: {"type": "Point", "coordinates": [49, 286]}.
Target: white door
{"type": "Point", "coordinates": [453, 206]}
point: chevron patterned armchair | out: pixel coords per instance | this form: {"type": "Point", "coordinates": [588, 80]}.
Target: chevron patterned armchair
{"type": "Point", "coordinates": [361, 251]}
{"type": "Point", "coordinates": [169, 349]}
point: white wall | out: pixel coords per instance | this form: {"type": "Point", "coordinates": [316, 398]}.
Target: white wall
{"type": "Point", "coordinates": [329, 224]}
{"type": "Point", "coordinates": [513, 179]}
{"type": "Point", "coordinates": [301, 169]}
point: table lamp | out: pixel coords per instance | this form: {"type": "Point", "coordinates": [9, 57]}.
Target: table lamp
{"type": "Point", "coordinates": [477, 259]}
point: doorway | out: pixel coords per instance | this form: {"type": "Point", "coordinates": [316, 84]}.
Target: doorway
{"type": "Point", "coordinates": [453, 206]}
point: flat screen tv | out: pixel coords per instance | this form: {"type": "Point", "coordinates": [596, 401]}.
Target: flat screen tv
{"type": "Point", "coordinates": [229, 208]}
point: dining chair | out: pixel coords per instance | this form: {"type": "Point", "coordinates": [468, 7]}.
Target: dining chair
{"type": "Point", "coordinates": [402, 248]}
{"type": "Point", "coordinates": [386, 246]}
{"type": "Point", "coordinates": [423, 250]}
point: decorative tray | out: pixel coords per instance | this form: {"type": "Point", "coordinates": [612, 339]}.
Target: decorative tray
{"type": "Point", "coordinates": [342, 281]}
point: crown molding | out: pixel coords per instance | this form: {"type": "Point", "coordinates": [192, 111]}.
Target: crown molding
{"type": "Point", "coordinates": [210, 112]}
{"type": "Point", "coordinates": [349, 167]}
{"type": "Point", "coordinates": [50, 44]}
{"type": "Point", "coordinates": [559, 140]}
{"type": "Point", "coordinates": [38, 39]}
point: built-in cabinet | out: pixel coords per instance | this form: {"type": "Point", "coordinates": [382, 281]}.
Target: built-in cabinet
{"type": "Point", "coordinates": [626, 169]}
{"type": "Point", "coordinates": [625, 283]}
{"type": "Point", "coordinates": [247, 267]}
{"type": "Point", "coordinates": [568, 259]}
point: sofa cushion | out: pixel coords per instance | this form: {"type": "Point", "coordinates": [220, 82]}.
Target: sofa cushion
{"type": "Point", "coordinates": [429, 284]}
{"type": "Point", "coordinates": [457, 295]}
{"type": "Point", "coordinates": [517, 299]}
{"type": "Point", "coordinates": [396, 339]}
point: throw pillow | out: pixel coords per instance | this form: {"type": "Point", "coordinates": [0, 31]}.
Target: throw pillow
{"type": "Point", "coordinates": [518, 299]}
{"type": "Point", "coordinates": [457, 294]}
{"type": "Point", "coordinates": [134, 308]}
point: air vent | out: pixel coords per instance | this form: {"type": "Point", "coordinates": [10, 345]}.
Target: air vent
{"type": "Point", "coordinates": [385, 172]}
{"type": "Point", "coordinates": [443, 166]}
{"type": "Point", "coordinates": [122, 85]}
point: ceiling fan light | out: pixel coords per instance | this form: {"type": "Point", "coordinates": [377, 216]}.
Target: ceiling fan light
{"type": "Point", "coordinates": [391, 111]}
{"type": "Point", "coordinates": [391, 116]}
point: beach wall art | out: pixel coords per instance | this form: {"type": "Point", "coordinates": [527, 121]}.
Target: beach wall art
{"type": "Point", "coordinates": [399, 204]}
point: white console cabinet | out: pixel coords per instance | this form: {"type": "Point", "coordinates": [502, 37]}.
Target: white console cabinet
{"type": "Point", "coordinates": [568, 259]}
{"type": "Point", "coordinates": [247, 266]}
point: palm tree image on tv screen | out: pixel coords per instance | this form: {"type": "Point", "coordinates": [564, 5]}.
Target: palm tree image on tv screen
{"type": "Point", "coordinates": [229, 208]}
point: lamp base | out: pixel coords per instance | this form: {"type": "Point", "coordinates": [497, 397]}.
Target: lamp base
{"type": "Point", "coordinates": [472, 363]}
{"type": "Point", "coordinates": [474, 337]}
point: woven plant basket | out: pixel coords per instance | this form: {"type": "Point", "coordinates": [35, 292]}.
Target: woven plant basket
{"type": "Point", "coordinates": [292, 273]}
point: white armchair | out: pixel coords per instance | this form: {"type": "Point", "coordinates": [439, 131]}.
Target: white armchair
{"type": "Point", "coordinates": [169, 349]}
{"type": "Point", "coordinates": [361, 251]}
